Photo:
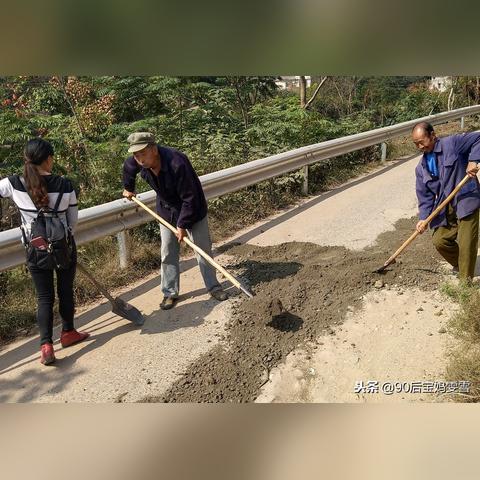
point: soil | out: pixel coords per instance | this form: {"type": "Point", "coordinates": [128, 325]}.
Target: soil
{"type": "Point", "coordinates": [302, 291]}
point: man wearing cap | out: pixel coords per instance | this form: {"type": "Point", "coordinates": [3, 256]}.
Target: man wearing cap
{"type": "Point", "coordinates": [180, 201]}
{"type": "Point", "coordinates": [444, 163]}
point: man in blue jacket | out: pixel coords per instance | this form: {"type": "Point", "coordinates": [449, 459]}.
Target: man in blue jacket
{"type": "Point", "coordinates": [444, 163]}
{"type": "Point", "coordinates": [180, 201]}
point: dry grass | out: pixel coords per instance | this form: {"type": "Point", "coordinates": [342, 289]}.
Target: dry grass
{"type": "Point", "coordinates": [464, 357]}
{"type": "Point", "coordinates": [17, 302]}
{"type": "Point", "coordinates": [464, 364]}
{"type": "Point", "coordinates": [101, 258]}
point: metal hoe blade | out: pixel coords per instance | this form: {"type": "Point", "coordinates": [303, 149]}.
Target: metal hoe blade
{"type": "Point", "coordinates": [125, 310]}
{"type": "Point", "coordinates": [245, 291]}
{"type": "Point", "coordinates": [384, 267]}
{"type": "Point", "coordinates": [119, 307]}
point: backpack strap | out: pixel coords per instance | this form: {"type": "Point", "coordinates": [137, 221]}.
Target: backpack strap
{"type": "Point", "coordinates": [24, 236]}
{"type": "Point", "coordinates": [60, 195]}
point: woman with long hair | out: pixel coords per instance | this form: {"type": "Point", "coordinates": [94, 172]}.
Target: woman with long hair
{"type": "Point", "coordinates": [38, 190]}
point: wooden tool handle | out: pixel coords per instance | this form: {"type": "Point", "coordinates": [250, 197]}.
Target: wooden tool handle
{"type": "Point", "coordinates": [205, 255]}
{"type": "Point", "coordinates": [404, 245]}
{"type": "Point", "coordinates": [428, 220]}
{"type": "Point", "coordinates": [99, 287]}
{"type": "Point", "coordinates": [465, 179]}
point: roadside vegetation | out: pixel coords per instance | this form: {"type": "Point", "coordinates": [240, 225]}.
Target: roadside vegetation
{"type": "Point", "coordinates": [464, 356]}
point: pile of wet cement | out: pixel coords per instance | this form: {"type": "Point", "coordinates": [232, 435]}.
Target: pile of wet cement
{"type": "Point", "coordinates": [302, 290]}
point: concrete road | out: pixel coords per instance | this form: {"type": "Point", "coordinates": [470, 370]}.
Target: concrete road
{"type": "Point", "coordinates": [352, 215]}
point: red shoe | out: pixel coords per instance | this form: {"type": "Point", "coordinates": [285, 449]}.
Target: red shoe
{"type": "Point", "coordinates": [47, 356]}
{"type": "Point", "coordinates": [71, 337]}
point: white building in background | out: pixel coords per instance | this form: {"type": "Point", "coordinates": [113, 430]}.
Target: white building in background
{"type": "Point", "coordinates": [288, 83]}
{"type": "Point", "coordinates": [442, 84]}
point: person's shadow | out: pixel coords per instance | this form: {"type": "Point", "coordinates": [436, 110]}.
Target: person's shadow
{"type": "Point", "coordinates": [35, 382]}
{"type": "Point", "coordinates": [254, 272]}
{"type": "Point", "coordinates": [183, 315]}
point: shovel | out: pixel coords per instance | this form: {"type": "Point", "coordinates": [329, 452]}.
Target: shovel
{"type": "Point", "coordinates": [426, 222]}
{"type": "Point", "coordinates": [197, 249]}
{"type": "Point", "coordinates": [119, 307]}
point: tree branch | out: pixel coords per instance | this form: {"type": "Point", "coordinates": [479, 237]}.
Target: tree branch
{"type": "Point", "coordinates": [242, 106]}
{"type": "Point", "coordinates": [315, 92]}
{"type": "Point", "coordinates": [72, 108]}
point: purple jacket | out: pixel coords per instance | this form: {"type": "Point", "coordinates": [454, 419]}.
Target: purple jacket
{"type": "Point", "coordinates": [453, 154]}
{"type": "Point", "coordinates": [180, 197]}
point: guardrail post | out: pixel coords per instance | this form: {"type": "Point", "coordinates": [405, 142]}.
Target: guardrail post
{"type": "Point", "coordinates": [384, 152]}
{"type": "Point", "coordinates": [462, 123]}
{"type": "Point", "coordinates": [305, 180]}
{"type": "Point", "coordinates": [123, 252]}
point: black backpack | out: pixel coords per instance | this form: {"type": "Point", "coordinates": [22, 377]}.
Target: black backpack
{"type": "Point", "coordinates": [50, 244]}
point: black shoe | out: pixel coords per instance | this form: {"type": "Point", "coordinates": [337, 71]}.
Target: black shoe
{"type": "Point", "coordinates": [168, 303]}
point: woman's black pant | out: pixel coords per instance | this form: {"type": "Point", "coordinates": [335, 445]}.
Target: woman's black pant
{"type": "Point", "coordinates": [44, 285]}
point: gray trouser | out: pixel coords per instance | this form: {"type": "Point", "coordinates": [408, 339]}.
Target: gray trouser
{"type": "Point", "coordinates": [170, 251]}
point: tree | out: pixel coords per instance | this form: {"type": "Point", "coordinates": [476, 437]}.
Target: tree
{"type": "Point", "coordinates": [250, 90]}
{"type": "Point", "coordinates": [303, 91]}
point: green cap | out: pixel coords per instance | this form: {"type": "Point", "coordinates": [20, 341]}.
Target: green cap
{"type": "Point", "coordinates": [139, 140]}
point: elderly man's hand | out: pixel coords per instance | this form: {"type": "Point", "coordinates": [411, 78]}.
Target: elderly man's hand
{"type": "Point", "coordinates": [421, 226]}
{"type": "Point", "coordinates": [472, 169]}
{"type": "Point", "coordinates": [181, 234]}
{"type": "Point", "coordinates": [128, 195]}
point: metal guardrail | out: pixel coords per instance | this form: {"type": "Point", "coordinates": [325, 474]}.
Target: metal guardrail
{"type": "Point", "coordinates": [120, 215]}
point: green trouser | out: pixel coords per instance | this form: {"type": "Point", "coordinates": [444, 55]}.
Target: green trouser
{"type": "Point", "coordinates": [457, 243]}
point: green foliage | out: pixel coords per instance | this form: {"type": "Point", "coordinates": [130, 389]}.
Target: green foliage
{"type": "Point", "coordinates": [14, 131]}
{"type": "Point", "coordinates": [419, 103]}
{"type": "Point", "coordinates": [460, 292]}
